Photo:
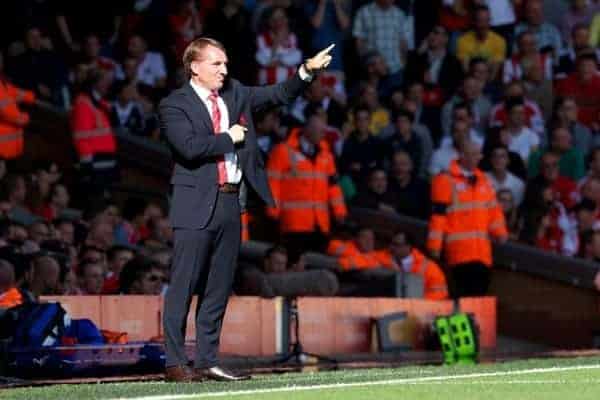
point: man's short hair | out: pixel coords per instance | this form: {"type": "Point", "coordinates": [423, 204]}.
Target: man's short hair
{"type": "Point", "coordinates": [275, 249]}
{"type": "Point", "coordinates": [193, 50]}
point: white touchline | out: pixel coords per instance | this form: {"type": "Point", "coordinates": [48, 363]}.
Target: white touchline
{"type": "Point", "coordinates": [433, 379]}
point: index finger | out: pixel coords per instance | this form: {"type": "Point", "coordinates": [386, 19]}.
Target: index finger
{"type": "Point", "coordinates": [328, 49]}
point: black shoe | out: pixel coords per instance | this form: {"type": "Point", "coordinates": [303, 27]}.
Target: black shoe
{"type": "Point", "coordinates": [220, 374]}
{"type": "Point", "coordinates": [179, 373]}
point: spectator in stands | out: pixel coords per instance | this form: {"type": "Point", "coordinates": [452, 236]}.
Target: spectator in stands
{"type": "Point", "coordinates": [268, 131]}
{"type": "Point", "coordinates": [405, 138]}
{"type": "Point", "coordinates": [480, 69]}
{"type": "Point", "coordinates": [411, 192]}
{"type": "Point", "coordinates": [43, 277]}
{"type": "Point", "coordinates": [380, 116]}
{"type": "Point", "coordinates": [433, 65]}
{"type": "Point", "coordinates": [523, 140]}
{"type": "Point", "coordinates": [100, 234]}
{"type": "Point", "coordinates": [376, 195]}
{"type": "Point", "coordinates": [117, 257]}
{"type": "Point", "coordinates": [536, 87]}
{"type": "Point", "coordinates": [590, 246]}
{"type": "Point", "coordinates": [278, 278]}
{"type": "Point", "coordinates": [329, 21]}
{"type": "Point", "coordinates": [377, 74]}
{"type": "Point", "coordinates": [142, 276]}
{"type": "Point", "coordinates": [303, 181]}
{"type": "Point", "coordinates": [580, 13]}
{"type": "Point", "coordinates": [511, 212]}
{"type": "Point", "coordinates": [463, 112]}
{"type": "Point", "coordinates": [10, 295]}
{"type": "Point", "coordinates": [91, 277]}
{"type": "Point", "coordinates": [584, 86]}
{"type": "Point", "coordinates": [584, 217]}
{"type": "Point", "coordinates": [127, 232]}
{"type": "Point", "coordinates": [527, 52]}
{"type": "Point", "coordinates": [547, 35]}
{"type": "Point", "coordinates": [64, 230]}
{"type": "Point", "coordinates": [12, 119]}
{"type": "Point", "coordinates": [39, 231]}
{"type": "Point", "coordinates": [565, 116]}
{"type": "Point", "coordinates": [501, 178]}
{"type": "Point", "coordinates": [564, 188]}
{"type": "Point", "coordinates": [277, 53]}
{"type": "Point", "coordinates": [151, 70]}
{"type": "Point", "coordinates": [422, 123]}
{"type": "Point", "coordinates": [448, 151]}
{"type": "Point", "coordinates": [381, 26]}
{"type": "Point", "coordinates": [361, 151]}
{"type": "Point", "coordinates": [501, 137]}
{"type": "Point", "coordinates": [534, 119]}
{"type": "Point", "coordinates": [92, 58]}
{"type": "Point", "coordinates": [465, 214]}
{"type": "Point", "coordinates": [185, 24]}
{"type": "Point", "coordinates": [482, 42]}
{"type": "Point", "coordinates": [579, 44]}
{"type": "Point", "coordinates": [471, 92]}
{"type": "Point", "coordinates": [56, 203]}
{"type": "Point", "coordinates": [359, 253]}
{"type": "Point", "coordinates": [571, 162]}
{"type": "Point", "coordinates": [160, 233]}
{"type": "Point", "coordinates": [593, 171]}
{"type": "Point", "coordinates": [39, 69]}
{"type": "Point", "coordinates": [319, 95]}
{"type": "Point", "coordinates": [404, 256]}
{"type": "Point", "coordinates": [126, 111]}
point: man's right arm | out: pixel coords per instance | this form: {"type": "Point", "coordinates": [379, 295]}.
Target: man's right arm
{"type": "Point", "coordinates": [176, 126]}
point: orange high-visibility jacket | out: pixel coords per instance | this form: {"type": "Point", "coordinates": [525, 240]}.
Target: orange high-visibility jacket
{"type": "Point", "coordinates": [303, 189]}
{"type": "Point", "coordinates": [465, 213]}
{"type": "Point", "coordinates": [434, 280]}
{"type": "Point", "coordinates": [11, 298]}
{"type": "Point", "coordinates": [12, 120]}
{"type": "Point", "coordinates": [91, 128]}
{"type": "Point", "coordinates": [350, 257]}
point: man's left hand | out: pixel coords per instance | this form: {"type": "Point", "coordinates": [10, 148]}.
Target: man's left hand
{"type": "Point", "coordinates": [320, 61]}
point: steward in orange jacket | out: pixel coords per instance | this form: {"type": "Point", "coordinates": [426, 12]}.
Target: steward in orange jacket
{"type": "Point", "coordinates": [92, 133]}
{"type": "Point", "coordinates": [12, 120]}
{"type": "Point", "coordinates": [352, 257]}
{"type": "Point", "coordinates": [465, 215]}
{"type": "Point", "coordinates": [303, 180]}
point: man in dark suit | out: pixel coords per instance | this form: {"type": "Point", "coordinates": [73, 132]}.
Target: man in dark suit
{"type": "Point", "coordinates": [208, 126]}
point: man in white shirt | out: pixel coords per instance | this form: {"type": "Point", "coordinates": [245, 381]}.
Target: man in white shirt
{"type": "Point", "coordinates": [502, 178]}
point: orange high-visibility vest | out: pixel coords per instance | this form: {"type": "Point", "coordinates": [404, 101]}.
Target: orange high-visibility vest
{"type": "Point", "coordinates": [302, 188]}
{"type": "Point", "coordinates": [12, 120]}
{"type": "Point", "coordinates": [350, 257]}
{"type": "Point", "coordinates": [434, 280]}
{"type": "Point", "coordinates": [91, 128]}
{"type": "Point", "coordinates": [465, 213]}
{"type": "Point", "coordinates": [11, 298]}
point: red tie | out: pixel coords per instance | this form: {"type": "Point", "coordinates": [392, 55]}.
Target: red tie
{"type": "Point", "coordinates": [216, 120]}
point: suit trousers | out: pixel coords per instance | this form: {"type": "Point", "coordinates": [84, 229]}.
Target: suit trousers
{"type": "Point", "coordinates": [204, 263]}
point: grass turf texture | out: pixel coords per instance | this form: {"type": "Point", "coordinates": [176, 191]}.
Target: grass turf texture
{"type": "Point", "coordinates": [464, 382]}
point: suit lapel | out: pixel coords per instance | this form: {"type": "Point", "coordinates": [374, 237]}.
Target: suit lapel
{"type": "Point", "coordinates": [199, 105]}
{"type": "Point", "coordinates": [227, 96]}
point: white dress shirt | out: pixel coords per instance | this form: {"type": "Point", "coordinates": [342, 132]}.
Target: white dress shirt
{"type": "Point", "coordinates": [234, 172]}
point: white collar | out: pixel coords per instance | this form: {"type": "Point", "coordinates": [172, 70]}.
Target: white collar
{"type": "Point", "coordinates": [201, 91]}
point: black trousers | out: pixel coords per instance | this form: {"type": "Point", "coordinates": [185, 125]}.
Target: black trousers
{"type": "Point", "coordinates": [470, 279]}
{"type": "Point", "coordinates": [204, 263]}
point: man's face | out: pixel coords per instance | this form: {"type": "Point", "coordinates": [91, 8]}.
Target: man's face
{"type": "Point", "coordinates": [534, 12]}
{"type": "Point", "coordinates": [581, 38]}
{"type": "Point", "coordinates": [210, 68]}
{"type": "Point", "coordinates": [585, 219]}
{"type": "Point", "coordinates": [362, 121]}
{"type": "Point", "coordinates": [517, 116]}
{"type": "Point", "coordinates": [47, 276]}
{"type": "Point", "coordinates": [460, 132]}
{"type": "Point", "coordinates": [527, 44]}
{"type": "Point", "coordinates": [438, 38]}
{"type": "Point", "coordinates": [67, 232]}
{"type": "Point", "coordinates": [481, 71]}
{"type": "Point", "coordinates": [136, 46]}
{"type": "Point", "coordinates": [314, 130]}
{"type": "Point", "coordinates": [402, 165]}
{"type": "Point", "coordinates": [61, 196]}
{"type": "Point", "coordinates": [482, 21]}
{"type": "Point", "coordinates": [586, 69]}
{"type": "Point", "coordinates": [499, 160]}
{"type": "Point", "coordinates": [549, 167]}
{"type": "Point", "coordinates": [39, 232]}
{"type": "Point", "coordinates": [470, 155]}
{"type": "Point", "coordinates": [33, 39]}
{"type": "Point", "coordinates": [152, 281]}
{"type": "Point", "coordinates": [366, 240]}
{"type": "Point", "coordinates": [120, 259]}
{"type": "Point", "coordinates": [471, 89]}
{"type": "Point", "coordinates": [93, 279]}
{"type": "Point", "coordinates": [561, 140]}
{"type": "Point", "coordinates": [276, 263]}
{"type": "Point", "coordinates": [399, 247]}
{"type": "Point", "coordinates": [404, 125]}
{"type": "Point", "coordinates": [378, 182]}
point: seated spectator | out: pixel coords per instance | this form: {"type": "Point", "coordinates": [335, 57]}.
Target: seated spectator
{"type": "Point", "coordinates": [94, 61]}
{"type": "Point", "coordinates": [590, 246]}
{"type": "Point", "coordinates": [160, 233]}
{"type": "Point", "coordinates": [117, 257]}
{"type": "Point", "coordinates": [433, 65]}
{"type": "Point", "coordinates": [126, 112]}
{"type": "Point", "coordinates": [501, 137]}
{"type": "Point", "coordinates": [448, 152]}
{"type": "Point", "coordinates": [534, 119]}
{"type": "Point", "coordinates": [91, 277]}
{"type": "Point", "coordinates": [406, 139]}
{"type": "Point", "coordinates": [14, 188]}
{"type": "Point", "coordinates": [480, 69]}
{"type": "Point", "coordinates": [579, 44]}
{"type": "Point", "coordinates": [482, 42]}
{"type": "Point", "coordinates": [361, 151]}
{"type": "Point", "coordinates": [511, 212]}
{"type": "Point", "coordinates": [583, 85]}
{"type": "Point", "coordinates": [45, 174]}
{"type": "Point", "coordinates": [571, 163]}
{"type": "Point", "coordinates": [593, 164]}
{"type": "Point", "coordinates": [359, 253]}
{"type": "Point", "coordinates": [462, 112]}
{"type": "Point", "coordinates": [43, 277]}
{"type": "Point", "coordinates": [377, 75]}
{"type": "Point", "coordinates": [471, 93]}
{"type": "Point", "coordinates": [57, 202]}
{"type": "Point", "coordinates": [500, 176]}
{"type": "Point", "coordinates": [584, 218]}
{"type": "Point", "coordinates": [277, 50]}
{"type": "Point", "coordinates": [536, 88]}
{"type": "Point", "coordinates": [269, 132]}
{"type": "Point", "coordinates": [404, 256]}
{"type": "Point", "coordinates": [547, 35]}
{"type": "Point", "coordinates": [151, 70]}
{"type": "Point", "coordinates": [100, 234]}
{"type": "Point", "coordinates": [277, 278]}
{"type": "Point", "coordinates": [10, 294]}
{"type": "Point", "coordinates": [142, 276]}
{"type": "Point", "coordinates": [411, 192]}
{"type": "Point", "coordinates": [565, 116]}
{"type": "Point", "coordinates": [423, 115]}
{"type": "Point", "coordinates": [376, 195]}
{"type": "Point", "coordinates": [127, 232]}
{"type": "Point", "coordinates": [318, 94]}
{"type": "Point", "coordinates": [564, 188]}
{"type": "Point", "coordinates": [580, 13]}
{"type": "Point", "coordinates": [64, 230]}
{"type": "Point", "coordinates": [39, 231]}
{"type": "Point", "coordinates": [523, 140]}
{"type": "Point", "coordinates": [527, 52]}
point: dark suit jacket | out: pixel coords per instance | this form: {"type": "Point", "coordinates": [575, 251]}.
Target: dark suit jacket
{"type": "Point", "coordinates": [187, 126]}
{"type": "Point", "coordinates": [451, 71]}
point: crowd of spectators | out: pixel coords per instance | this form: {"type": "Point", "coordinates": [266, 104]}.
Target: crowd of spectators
{"type": "Point", "coordinates": [410, 83]}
